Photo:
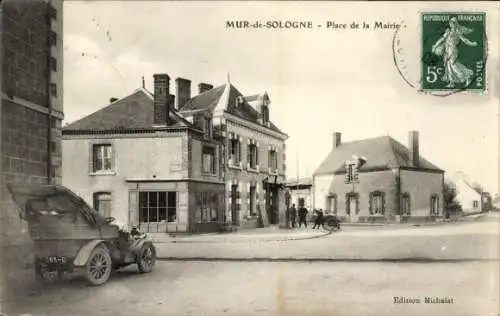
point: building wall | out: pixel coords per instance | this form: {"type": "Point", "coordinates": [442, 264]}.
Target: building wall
{"type": "Point", "coordinates": [244, 178]}
{"type": "Point", "coordinates": [421, 185]}
{"type": "Point", "coordinates": [29, 117]}
{"type": "Point", "coordinates": [306, 194]}
{"type": "Point", "coordinates": [135, 158]}
{"type": "Point", "coordinates": [466, 197]}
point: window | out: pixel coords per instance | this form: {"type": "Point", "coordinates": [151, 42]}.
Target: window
{"type": "Point", "coordinates": [377, 203]}
{"type": "Point", "coordinates": [209, 160]}
{"type": "Point", "coordinates": [253, 156]}
{"type": "Point", "coordinates": [273, 160]}
{"type": "Point", "coordinates": [52, 38]}
{"type": "Point", "coordinates": [102, 158]}
{"type": "Point", "coordinates": [234, 150]}
{"type": "Point", "coordinates": [405, 204]}
{"type": "Point", "coordinates": [207, 127]}
{"type": "Point", "coordinates": [53, 63]}
{"type": "Point", "coordinates": [53, 89]}
{"type": "Point", "coordinates": [331, 204]}
{"type": "Point", "coordinates": [265, 114]}
{"type": "Point", "coordinates": [207, 204]}
{"type": "Point", "coordinates": [434, 205]}
{"type": "Point", "coordinates": [475, 204]}
{"type": "Point", "coordinates": [156, 207]}
{"type": "Point", "coordinates": [102, 203]}
{"type": "Point", "coordinates": [252, 210]}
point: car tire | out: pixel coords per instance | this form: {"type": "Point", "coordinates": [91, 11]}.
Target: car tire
{"type": "Point", "coordinates": [146, 258]}
{"type": "Point", "coordinates": [99, 266]}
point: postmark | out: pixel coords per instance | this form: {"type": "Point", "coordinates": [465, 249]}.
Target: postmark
{"type": "Point", "coordinates": [453, 51]}
{"type": "Point", "coordinates": [432, 55]}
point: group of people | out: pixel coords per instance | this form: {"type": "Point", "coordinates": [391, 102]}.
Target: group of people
{"type": "Point", "coordinates": [302, 214]}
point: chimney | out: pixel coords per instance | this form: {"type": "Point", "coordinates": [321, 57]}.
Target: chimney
{"type": "Point", "coordinates": [113, 99]}
{"type": "Point", "coordinates": [337, 139]}
{"type": "Point", "coordinates": [183, 91]}
{"type": "Point", "coordinates": [414, 149]}
{"type": "Point", "coordinates": [203, 87]}
{"type": "Point", "coordinates": [161, 93]}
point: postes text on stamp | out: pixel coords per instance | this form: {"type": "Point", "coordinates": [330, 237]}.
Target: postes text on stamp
{"type": "Point", "coordinates": [453, 51]}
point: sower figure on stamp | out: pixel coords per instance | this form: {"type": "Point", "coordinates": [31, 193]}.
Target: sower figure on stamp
{"type": "Point", "coordinates": [293, 215]}
{"type": "Point", "coordinates": [447, 46]}
{"type": "Point", "coordinates": [302, 216]}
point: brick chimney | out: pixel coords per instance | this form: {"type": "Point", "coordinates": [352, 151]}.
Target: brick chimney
{"type": "Point", "coordinates": [414, 156]}
{"type": "Point", "coordinates": [203, 87]}
{"type": "Point", "coordinates": [337, 139]}
{"type": "Point", "coordinates": [182, 92]}
{"type": "Point", "coordinates": [161, 96]}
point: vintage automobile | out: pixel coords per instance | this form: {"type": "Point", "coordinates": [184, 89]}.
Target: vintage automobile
{"type": "Point", "coordinates": [70, 236]}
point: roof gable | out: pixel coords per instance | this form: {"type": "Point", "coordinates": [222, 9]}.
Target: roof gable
{"type": "Point", "coordinates": [381, 152]}
{"type": "Point", "coordinates": [134, 111]}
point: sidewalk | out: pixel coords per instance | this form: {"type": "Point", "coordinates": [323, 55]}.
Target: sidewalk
{"type": "Point", "coordinates": [267, 234]}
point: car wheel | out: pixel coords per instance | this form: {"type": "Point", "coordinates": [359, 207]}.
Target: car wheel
{"type": "Point", "coordinates": [147, 258]}
{"type": "Point", "coordinates": [99, 266]}
{"type": "Point", "coordinates": [47, 276]}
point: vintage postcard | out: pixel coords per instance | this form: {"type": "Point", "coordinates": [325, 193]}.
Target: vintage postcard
{"type": "Point", "coordinates": [249, 158]}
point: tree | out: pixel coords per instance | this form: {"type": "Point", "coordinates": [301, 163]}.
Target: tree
{"type": "Point", "coordinates": [450, 197]}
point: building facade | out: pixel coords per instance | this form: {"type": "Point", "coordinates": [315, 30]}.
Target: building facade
{"type": "Point", "coordinates": [31, 112]}
{"type": "Point", "coordinates": [253, 152]}
{"type": "Point", "coordinates": [145, 164]}
{"type": "Point", "coordinates": [301, 192]}
{"type": "Point", "coordinates": [470, 197]}
{"type": "Point", "coordinates": [395, 183]}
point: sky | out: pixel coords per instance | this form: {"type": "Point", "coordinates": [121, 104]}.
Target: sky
{"type": "Point", "coordinates": [319, 80]}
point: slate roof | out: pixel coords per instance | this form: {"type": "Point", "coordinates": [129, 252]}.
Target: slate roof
{"type": "Point", "coordinates": [134, 111]}
{"type": "Point", "coordinates": [380, 152]}
{"type": "Point", "coordinates": [212, 98]}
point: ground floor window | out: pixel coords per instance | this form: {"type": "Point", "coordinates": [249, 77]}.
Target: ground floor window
{"type": "Point", "coordinates": [475, 204]}
{"type": "Point", "coordinates": [377, 203]}
{"type": "Point", "coordinates": [331, 204]}
{"type": "Point", "coordinates": [207, 206]}
{"type": "Point", "coordinates": [405, 204]}
{"type": "Point", "coordinates": [102, 203]}
{"type": "Point", "coordinates": [434, 204]}
{"type": "Point", "coordinates": [156, 207]}
{"type": "Point", "coordinates": [252, 199]}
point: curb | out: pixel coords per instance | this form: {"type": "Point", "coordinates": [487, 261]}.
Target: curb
{"type": "Point", "coordinates": [324, 234]}
{"type": "Point", "coordinates": [309, 260]}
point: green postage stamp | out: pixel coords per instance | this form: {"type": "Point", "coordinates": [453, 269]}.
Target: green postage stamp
{"type": "Point", "coordinates": [454, 51]}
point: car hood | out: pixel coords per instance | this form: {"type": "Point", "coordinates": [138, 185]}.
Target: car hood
{"type": "Point", "coordinates": [34, 200]}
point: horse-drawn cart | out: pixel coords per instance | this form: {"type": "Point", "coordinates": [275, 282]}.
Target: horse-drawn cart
{"type": "Point", "coordinates": [70, 236]}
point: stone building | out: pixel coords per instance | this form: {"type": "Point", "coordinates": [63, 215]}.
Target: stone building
{"type": "Point", "coordinates": [253, 152]}
{"type": "Point", "coordinates": [143, 162]}
{"type": "Point", "coordinates": [31, 112]}
{"type": "Point", "coordinates": [395, 183]}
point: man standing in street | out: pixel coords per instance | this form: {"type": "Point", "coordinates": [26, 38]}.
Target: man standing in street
{"type": "Point", "coordinates": [293, 215]}
{"type": "Point", "coordinates": [302, 216]}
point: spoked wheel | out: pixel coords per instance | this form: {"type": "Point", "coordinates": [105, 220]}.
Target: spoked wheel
{"type": "Point", "coordinates": [46, 275]}
{"type": "Point", "coordinates": [146, 259]}
{"type": "Point", "coordinates": [99, 266]}
{"type": "Point", "coordinates": [333, 225]}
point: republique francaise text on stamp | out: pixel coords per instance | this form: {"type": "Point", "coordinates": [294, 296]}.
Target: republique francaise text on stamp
{"type": "Point", "coordinates": [453, 51]}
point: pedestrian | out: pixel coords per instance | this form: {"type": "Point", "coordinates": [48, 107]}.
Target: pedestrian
{"type": "Point", "coordinates": [319, 220]}
{"type": "Point", "coordinates": [293, 215]}
{"type": "Point", "coordinates": [302, 216]}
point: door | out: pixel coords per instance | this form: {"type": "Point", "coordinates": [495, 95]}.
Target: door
{"type": "Point", "coordinates": [352, 205]}
{"type": "Point", "coordinates": [405, 205]}
{"type": "Point", "coordinates": [234, 208]}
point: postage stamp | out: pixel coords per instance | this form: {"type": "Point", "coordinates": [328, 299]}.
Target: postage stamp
{"type": "Point", "coordinates": [453, 51]}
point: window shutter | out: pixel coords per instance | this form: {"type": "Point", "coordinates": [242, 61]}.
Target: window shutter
{"type": "Point", "coordinates": [239, 151]}
{"type": "Point", "coordinates": [249, 155]}
{"type": "Point", "coordinates": [256, 155]}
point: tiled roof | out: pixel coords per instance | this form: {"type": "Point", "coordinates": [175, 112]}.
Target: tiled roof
{"type": "Point", "coordinates": [380, 152]}
{"type": "Point", "coordinates": [299, 181]}
{"type": "Point", "coordinates": [134, 111]}
{"type": "Point", "coordinates": [211, 98]}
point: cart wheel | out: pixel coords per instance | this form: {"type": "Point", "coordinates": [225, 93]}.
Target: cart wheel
{"type": "Point", "coordinates": [146, 259]}
{"type": "Point", "coordinates": [46, 276]}
{"type": "Point", "coordinates": [99, 266]}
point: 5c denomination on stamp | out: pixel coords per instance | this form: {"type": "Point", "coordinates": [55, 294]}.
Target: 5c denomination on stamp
{"type": "Point", "coordinates": [453, 51]}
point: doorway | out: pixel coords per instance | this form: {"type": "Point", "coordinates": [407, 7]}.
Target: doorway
{"type": "Point", "coordinates": [272, 204]}
{"type": "Point", "coordinates": [352, 207]}
{"type": "Point", "coordinates": [234, 206]}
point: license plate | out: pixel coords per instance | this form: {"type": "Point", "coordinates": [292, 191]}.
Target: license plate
{"type": "Point", "coordinates": [56, 260]}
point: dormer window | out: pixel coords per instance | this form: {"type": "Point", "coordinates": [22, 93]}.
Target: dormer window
{"type": "Point", "coordinates": [265, 114]}
{"type": "Point", "coordinates": [239, 101]}
{"type": "Point", "coordinates": [207, 127]}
